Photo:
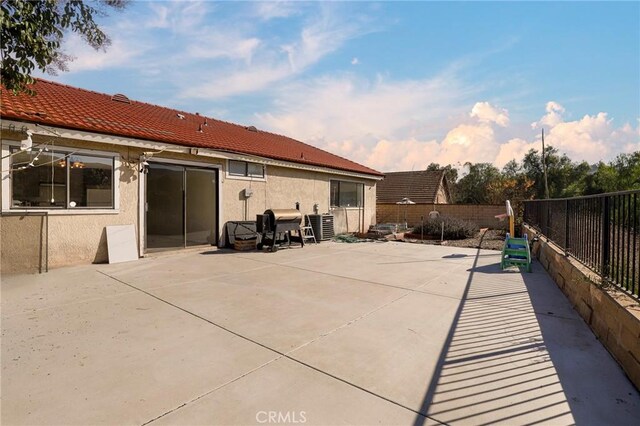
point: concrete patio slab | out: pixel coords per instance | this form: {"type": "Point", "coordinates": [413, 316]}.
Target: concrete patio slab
{"type": "Point", "coordinates": [296, 393]}
{"type": "Point", "coordinates": [392, 352]}
{"type": "Point", "coordinates": [386, 333]}
{"type": "Point", "coordinates": [118, 360]}
{"type": "Point", "coordinates": [31, 293]}
{"type": "Point", "coordinates": [296, 310]}
{"type": "Point", "coordinates": [145, 276]}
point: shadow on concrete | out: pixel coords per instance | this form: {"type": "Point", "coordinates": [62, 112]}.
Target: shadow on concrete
{"type": "Point", "coordinates": [500, 360]}
{"type": "Point", "coordinates": [219, 251]}
{"type": "Point", "coordinates": [449, 256]}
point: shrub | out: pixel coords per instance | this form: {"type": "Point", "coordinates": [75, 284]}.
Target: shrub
{"type": "Point", "coordinates": [454, 229]}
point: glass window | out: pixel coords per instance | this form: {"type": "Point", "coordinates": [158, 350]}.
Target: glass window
{"type": "Point", "coordinates": [255, 170]}
{"type": "Point", "coordinates": [243, 168]}
{"type": "Point", "coordinates": [335, 193]}
{"type": "Point", "coordinates": [90, 181]}
{"type": "Point", "coordinates": [237, 168]}
{"type": "Point", "coordinates": [42, 179]}
{"type": "Point", "coordinates": [346, 194]}
{"type": "Point", "coordinates": [38, 180]}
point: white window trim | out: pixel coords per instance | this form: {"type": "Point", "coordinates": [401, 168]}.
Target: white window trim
{"type": "Point", "coordinates": [7, 192]}
{"type": "Point", "coordinates": [246, 178]}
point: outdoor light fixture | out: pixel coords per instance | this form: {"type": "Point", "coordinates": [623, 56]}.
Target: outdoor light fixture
{"type": "Point", "coordinates": [144, 165]}
{"type": "Point", "coordinates": [26, 144]}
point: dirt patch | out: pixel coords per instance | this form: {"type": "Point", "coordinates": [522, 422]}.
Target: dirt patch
{"type": "Point", "coordinates": [491, 239]}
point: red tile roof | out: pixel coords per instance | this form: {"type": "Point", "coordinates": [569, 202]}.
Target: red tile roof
{"type": "Point", "coordinates": [73, 108]}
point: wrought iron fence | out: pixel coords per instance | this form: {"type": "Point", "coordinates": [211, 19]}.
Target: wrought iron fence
{"type": "Point", "coordinates": [601, 231]}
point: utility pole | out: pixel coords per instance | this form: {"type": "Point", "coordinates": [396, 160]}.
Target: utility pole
{"type": "Point", "coordinates": [544, 169]}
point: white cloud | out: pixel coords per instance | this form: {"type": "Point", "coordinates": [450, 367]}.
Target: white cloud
{"type": "Point", "coordinates": [276, 62]}
{"type": "Point", "coordinates": [179, 16]}
{"type": "Point", "coordinates": [591, 138]}
{"type": "Point", "coordinates": [469, 142]}
{"type": "Point", "coordinates": [224, 45]}
{"type": "Point", "coordinates": [383, 123]}
{"type": "Point", "coordinates": [267, 10]}
{"type": "Point", "coordinates": [514, 149]}
{"type": "Point", "coordinates": [355, 61]}
{"type": "Point", "coordinates": [487, 113]}
{"type": "Point", "coordinates": [86, 58]}
{"type": "Point", "coordinates": [344, 108]}
{"type": "Point", "coordinates": [391, 125]}
{"type": "Point", "coordinates": [552, 117]}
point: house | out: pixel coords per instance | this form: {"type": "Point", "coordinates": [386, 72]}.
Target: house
{"type": "Point", "coordinates": [424, 187]}
{"type": "Point", "coordinates": [421, 187]}
{"type": "Point", "coordinates": [100, 159]}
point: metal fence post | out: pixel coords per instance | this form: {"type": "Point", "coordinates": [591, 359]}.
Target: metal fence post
{"type": "Point", "coordinates": [566, 227]}
{"type": "Point", "coordinates": [606, 238]}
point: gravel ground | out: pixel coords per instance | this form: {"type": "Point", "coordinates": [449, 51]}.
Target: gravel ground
{"type": "Point", "coordinates": [492, 239]}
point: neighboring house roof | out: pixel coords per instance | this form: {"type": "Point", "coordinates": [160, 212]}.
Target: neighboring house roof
{"type": "Point", "coordinates": [79, 109]}
{"type": "Point", "coordinates": [419, 187]}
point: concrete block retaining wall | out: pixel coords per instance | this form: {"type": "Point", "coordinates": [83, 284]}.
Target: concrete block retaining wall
{"type": "Point", "coordinates": [613, 316]}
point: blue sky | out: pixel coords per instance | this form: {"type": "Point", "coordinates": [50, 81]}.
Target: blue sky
{"type": "Point", "coordinates": [393, 85]}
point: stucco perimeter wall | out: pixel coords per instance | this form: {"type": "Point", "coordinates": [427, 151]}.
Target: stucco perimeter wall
{"type": "Point", "coordinates": [481, 214]}
{"type": "Point", "coordinates": [613, 316]}
{"type": "Point", "coordinates": [72, 238]}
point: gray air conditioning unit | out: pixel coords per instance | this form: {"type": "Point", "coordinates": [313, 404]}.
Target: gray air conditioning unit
{"type": "Point", "coordinates": [322, 225]}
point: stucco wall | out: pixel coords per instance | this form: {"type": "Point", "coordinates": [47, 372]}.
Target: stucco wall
{"type": "Point", "coordinates": [80, 238]}
{"type": "Point", "coordinates": [73, 238]}
{"type": "Point", "coordinates": [23, 244]}
{"type": "Point", "coordinates": [284, 187]}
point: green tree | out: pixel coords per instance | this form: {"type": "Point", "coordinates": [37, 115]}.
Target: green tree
{"type": "Point", "coordinates": [621, 174]}
{"type": "Point", "coordinates": [32, 33]}
{"type": "Point", "coordinates": [516, 185]}
{"type": "Point", "coordinates": [566, 178]}
{"type": "Point", "coordinates": [481, 185]}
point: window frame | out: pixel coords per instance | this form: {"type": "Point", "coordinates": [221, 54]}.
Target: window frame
{"type": "Point", "coordinates": [360, 186]}
{"type": "Point", "coordinates": [7, 180]}
{"type": "Point", "coordinates": [246, 175]}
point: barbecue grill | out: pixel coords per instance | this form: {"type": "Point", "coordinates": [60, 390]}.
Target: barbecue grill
{"type": "Point", "coordinates": [276, 226]}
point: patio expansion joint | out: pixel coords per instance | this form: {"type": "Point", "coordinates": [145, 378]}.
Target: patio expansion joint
{"type": "Point", "coordinates": [199, 280]}
{"type": "Point", "coordinates": [280, 354]}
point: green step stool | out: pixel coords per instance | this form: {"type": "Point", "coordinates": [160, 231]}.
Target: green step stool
{"type": "Point", "coordinates": [516, 252]}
